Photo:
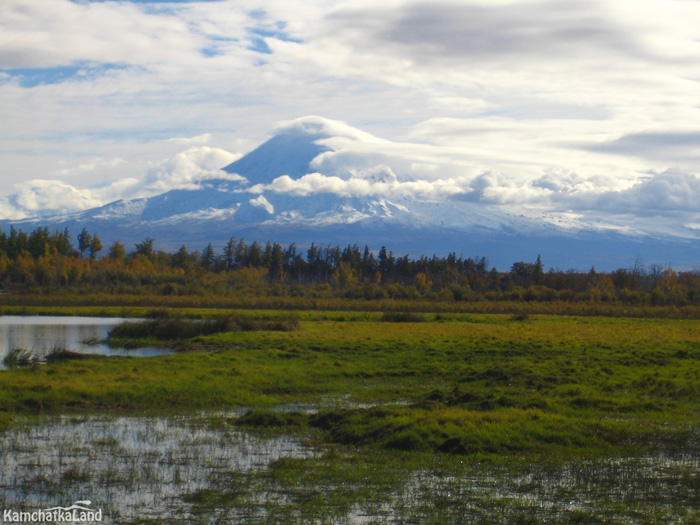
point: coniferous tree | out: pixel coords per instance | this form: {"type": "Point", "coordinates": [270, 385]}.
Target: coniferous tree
{"type": "Point", "coordinates": [13, 247]}
{"type": "Point", "coordinates": [313, 257]}
{"type": "Point", "coordinates": [145, 248]}
{"type": "Point", "coordinates": [95, 246]}
{"type": "Point", "coordinates": [117, 251]}
{"type": "Point", "coordinates": [241, 256]}
{"type": "Point", "coordinates": [275, 268]}
{"type": "Point", "coordinates": [84, 241]}
{"type": "Point", "coordinates": [62, 242]}
{"type": "Point", "coordinates": [255, 255]}
{"type": "Point", "coordinates": [209, 257]}
{"type": "Point", "coordinates": [180, 258]}
{"type": "Point", "coordinates": [230, 253]}
{"type": "Point", "coordinates": [538, 270]}
{"type": "Point", "coordinates": [39, 243]}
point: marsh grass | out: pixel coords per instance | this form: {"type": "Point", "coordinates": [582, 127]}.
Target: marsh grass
{"type": "Point", "coordinates": [62, 354]}
{"type": "Point", "coordinates": [590, 375]}
{"type": "Point", "coordinates": [467, 418]}
{"type": "Point", "coordinates": [162, 326]}
{"type": "Point", "coordinates": [347, 485]}
{"type": "Point", "coordinates": [20, 357]}
{"type": "Point", "coordinates": [455, 431]}
{"type": "Point", "coordinates": [134, 468]}
{"type": "Point", "coordinates": [17, 357]}
{"type": "Point", "coordinates": [78, 302]}
{"type": "Point", "coordinates": [403, 317]}
{"type": "Point", "coordinates": [398, 408]}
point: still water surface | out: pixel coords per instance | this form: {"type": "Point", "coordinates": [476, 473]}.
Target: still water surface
{"type": "Point", "coordinates": [135, 469]}
{"type": "Point", "coordinates": [42, 334]}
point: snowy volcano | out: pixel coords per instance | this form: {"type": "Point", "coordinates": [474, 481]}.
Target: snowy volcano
{"type": "Point", "coordinates": [318, 180]}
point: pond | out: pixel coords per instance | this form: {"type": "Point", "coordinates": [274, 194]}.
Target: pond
{"type": "Point", "coordinates": [132, 468]}
{"type": "Point", "coordinates": [42, 334]}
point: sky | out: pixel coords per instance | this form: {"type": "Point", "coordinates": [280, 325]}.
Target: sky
{"type": "Point", "coordinates": [588, 108]}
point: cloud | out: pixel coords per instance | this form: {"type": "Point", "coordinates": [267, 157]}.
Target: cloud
{"type": "Point", "coordinates": [315, 183]}
{"type": "Point", "coordinates": [665, 146]}
{"type": "Point", "coordinates": [492, 188]}
{"type": "Point", "coordinates": [88, 167]}
{"type": "Point", "coordinates": [51, 196]}
{"type": "Point", "coordinates": [362, 165]}
{"type": "Point", "coordinates": [184, 170]}
{"type": "Point", "coordinates": [188, 168]}
{"type": "Point", "coordinates": [670, 191]}
{"type": "Point", "coordinates": [50, 33]}
{"type": "Point", "coordinates": [444, 32]}
{"type": "Point", "coordinates": [333, 131]}
{"type": "Point", "coordinates": [199, 139]}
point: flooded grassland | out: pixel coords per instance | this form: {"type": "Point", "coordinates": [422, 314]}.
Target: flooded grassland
{"type": "Point", "coordinates": [353, 419]}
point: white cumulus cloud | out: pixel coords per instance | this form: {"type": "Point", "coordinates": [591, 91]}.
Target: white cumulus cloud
{"type": "Point", "coordinates": [315, 183]}
{"type": "Point", "coordinates": [41, 196]}
{"type": "Point", "coordinates": [190, 167]}
{"type": "Point", "coordinates": [50, 196]}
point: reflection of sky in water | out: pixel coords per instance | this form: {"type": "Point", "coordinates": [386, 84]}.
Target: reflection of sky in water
{"type": "Point", "coordinates": [42, 334]}
{"type": "Point", "coordinates": [144, 467]}
{"type": "Point", "coordinates": [127, 466]}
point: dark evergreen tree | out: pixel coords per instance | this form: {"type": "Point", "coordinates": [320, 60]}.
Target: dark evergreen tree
{"type": "Point", "coordinates": [181, 258]}
{"type": "Point", "coordinates": [39, 243]}
{"type": "Point", "coordinates": [117, 251]}
{"type": "Point", "coordinates": [538, 270]}
{"type": "Point", "coordinates": [230, 253]}
{"type": "Point", "coordinates": [241, 256]}
{"type": "Point", "coordinates": [145, 248]}
{"type": "Point", "coordinates": [209, 258]}
{"type": "Point", "coordinates": [62, 242]}
{"type": "Point", "coordinates": [95, 246]}
{"type": "Point", "coordinates": [13, 244]}
{"type": "Point", "coordinates": [84, 241]}
{"type": "Point", "coordinates": [255, 255]}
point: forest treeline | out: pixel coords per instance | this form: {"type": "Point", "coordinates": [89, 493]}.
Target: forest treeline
{"type": "Point", "coordinates": [47, 261]}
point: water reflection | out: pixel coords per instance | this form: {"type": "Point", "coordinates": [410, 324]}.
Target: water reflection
{"type": "Point", "coordinates": [174, 469]}
{"type": "Point", "coordinates": [42, 334]}
{"type": "Point", "coordinates": [130, 467]}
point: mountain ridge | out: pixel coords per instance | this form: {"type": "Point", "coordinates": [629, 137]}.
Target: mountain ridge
{"type": "Point", "coordinates": [288, 189]}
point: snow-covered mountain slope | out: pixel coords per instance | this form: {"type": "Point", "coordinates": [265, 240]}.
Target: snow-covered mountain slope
{"type": "Point", "coordinates": [286, 154]}
{"type": "Point", "coordinates": [295, 189]}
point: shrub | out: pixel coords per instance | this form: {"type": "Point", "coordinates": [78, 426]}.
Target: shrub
{"type": "Point", "coordinates": [520, 317]}
{"type": "Point", "coordinates": [402, 317]}
{"type": "Point", "coordinates": [20, 357]}
{"type": "Point", "coordinates": [169, 328]}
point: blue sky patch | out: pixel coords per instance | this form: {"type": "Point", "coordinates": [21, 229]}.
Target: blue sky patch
{"type": "Point", "coordinates": [259, 45]}
{"type": "Point", "coordinates": [258, 35]}
{"type": "Point", "coordinates": [210, 52]}
{"type": "Point", "coordinates": [32, 77]}
{"type": "Point", "coordinates": [214, 48]}
{"type": "Point", "coordinates": [257, 14]}
{"type": "Point", "coordinates": [278, 33]}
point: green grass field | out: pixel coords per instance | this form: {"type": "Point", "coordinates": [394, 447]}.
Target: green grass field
{"type": "Point", "coordinates": [429, 394]}
{"type": "Point", "coordinates": [458, 383]}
